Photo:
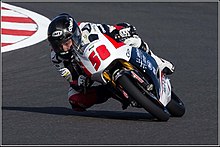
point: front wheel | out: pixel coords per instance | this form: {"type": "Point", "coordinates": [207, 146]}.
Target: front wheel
{"type": "Point", "coordinates": [175, 107]}
{"type": "Point", "coordinates": [141, 99]}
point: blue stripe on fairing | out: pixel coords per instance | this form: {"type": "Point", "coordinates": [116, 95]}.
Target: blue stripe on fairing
{"type": "Point", "coordinates": [145, 62]}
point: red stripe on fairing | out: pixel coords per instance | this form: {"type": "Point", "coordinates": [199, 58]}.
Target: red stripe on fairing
{"type": "Point", "coordinates": [115, 43]}
{"type": "Point", "coordinates": [17, 19]}
{"type": "Point", "coordinates": [17, 32]}
{"type": "Point", "coordinates": [5, 44]}
{"type": "Point", "coordinates": [87, 72]}
{"type": "Point", "coordinates": [3, 8]}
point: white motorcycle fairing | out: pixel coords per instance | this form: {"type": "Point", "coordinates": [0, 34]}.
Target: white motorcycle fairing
{"type": "Point", "coordinates": [99, 54]}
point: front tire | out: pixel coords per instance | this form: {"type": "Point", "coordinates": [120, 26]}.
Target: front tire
{"type": "Point", "coordinates": [141, 99]}
{"type": "Point", "coordinates": [175, 107]}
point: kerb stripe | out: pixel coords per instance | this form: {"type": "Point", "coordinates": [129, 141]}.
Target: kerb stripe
{"type": "Point", "coordinates": [17, 19]}
{"type": "Point", "coordinates": [17, 32]}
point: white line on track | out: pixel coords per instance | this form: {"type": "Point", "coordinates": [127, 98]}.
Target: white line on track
{"type": "Point", "coordinates": [11, 13]}
{"type": "Point", "coordinates": [12, 38]}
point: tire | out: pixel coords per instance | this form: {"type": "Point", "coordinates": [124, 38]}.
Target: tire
{"type": "Point", "coordinates": [175, 107]}
{"type": "Point", "coordinates": [142, 100]}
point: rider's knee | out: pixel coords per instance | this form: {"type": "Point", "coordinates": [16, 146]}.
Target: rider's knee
{"type": "Point", "coordinates": [80, 101]}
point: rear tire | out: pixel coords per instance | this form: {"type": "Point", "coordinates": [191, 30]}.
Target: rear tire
{"type": "Point", "coordinates": [141, 99]}
{"type": "Point", "coordinates": [175, 107]}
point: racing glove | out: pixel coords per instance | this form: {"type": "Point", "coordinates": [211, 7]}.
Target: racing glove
{"type": "Point", "coordinates": [81, 83]}
{"type": "Point", "coordinates": [125, 31]}
{"type": "Point", "coordinates": [66, 74]}
{"type": "Point", "coordinates": [81, 80]}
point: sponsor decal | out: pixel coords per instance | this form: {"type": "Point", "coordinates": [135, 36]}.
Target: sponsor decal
{"type": "Point", "coordinates": [137, 77]}
{"type": "Point", "coordinates": [149, 65]}
{"type": "Point", "coordinates": [71, 25]}
{"type": "Point", "coordinates": [125, 94]}
{"type": "Point", "coordinates": [125, 32]}
{"type": "Point", "coordinates": [128, 53]}
{"type": "Point", "coordinates": [57, 33]}
{"type": "Point", "coordinates": [143, 62]}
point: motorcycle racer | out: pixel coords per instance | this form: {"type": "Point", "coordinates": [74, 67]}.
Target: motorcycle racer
{"type": "Point", "coordinates": [66, 36]}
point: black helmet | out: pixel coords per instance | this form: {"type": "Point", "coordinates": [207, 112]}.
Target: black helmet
{"type": "Point", "coordinates": [61, 29]}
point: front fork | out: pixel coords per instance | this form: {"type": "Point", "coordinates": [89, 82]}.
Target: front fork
{"type": "Point", "coordinates": [129, 70]}
{"type": "Point", "coordinates": [112, 77]}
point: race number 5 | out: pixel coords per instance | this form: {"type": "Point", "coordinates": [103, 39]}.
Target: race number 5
{"type": "Point", "coordinates": [103, 54]}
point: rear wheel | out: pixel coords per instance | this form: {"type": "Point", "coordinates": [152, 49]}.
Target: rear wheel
{"type": "Point", "coordinates": [175, 107]}
{"type": "Point", "coordinates": [142, 100]}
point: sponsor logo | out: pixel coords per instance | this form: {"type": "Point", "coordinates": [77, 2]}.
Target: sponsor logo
{"type": "Point", "coordinates": [149, 65]}
{"type": "Point", "coordinates": [125, 94]}
{"type": "Point", "coordinates": [125, 32]}
{"type": "Point", "coordinates": [57, 34]}
{"type": "Point", "coordinates": [145, 65]}
{"type": "Point", "coordinates": [128, 53]}
{"type": "Point", "coordinates": [137, 77]}
{"type": "Point", "coordinates": [71, 25]}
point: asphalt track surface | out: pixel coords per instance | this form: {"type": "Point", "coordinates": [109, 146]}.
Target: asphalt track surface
{"type": "Point", "coordinates": [35, 106]}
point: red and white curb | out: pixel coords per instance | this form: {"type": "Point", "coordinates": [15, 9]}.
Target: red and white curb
{"type": "Point", "coordinates": [21, 27]}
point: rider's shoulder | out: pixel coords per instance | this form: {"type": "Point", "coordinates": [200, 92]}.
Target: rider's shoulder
{"type": "Point", "coordinates": [87, 24]}
{"type": "Point", "coordinates": [84, 24]}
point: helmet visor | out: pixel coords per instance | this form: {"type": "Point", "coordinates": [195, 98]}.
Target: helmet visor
{"type": "Point", "coordinates": [76, 37]}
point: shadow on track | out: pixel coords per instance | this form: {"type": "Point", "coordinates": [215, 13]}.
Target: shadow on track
{"type": "Point", "coordinates": [89, 113]}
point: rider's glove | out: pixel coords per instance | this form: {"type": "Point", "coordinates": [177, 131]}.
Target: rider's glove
{"type": "Point", "coordinates": [126, 31]}
{"type": "Point", "coordinates": [81, 80]}
{"type": "Point", "coordinates": [79, 84]}
{"type": "Point", "coordinates": [65, 73]}
{"type": "Point", "coordinates": [84, 81]}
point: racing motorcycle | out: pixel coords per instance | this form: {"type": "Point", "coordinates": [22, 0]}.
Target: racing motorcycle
{"type": "Point", "coordinates": [132, 75]}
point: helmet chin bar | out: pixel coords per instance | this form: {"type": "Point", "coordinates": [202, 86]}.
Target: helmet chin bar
{"type": "Point", "coordinates": [64, 53]}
